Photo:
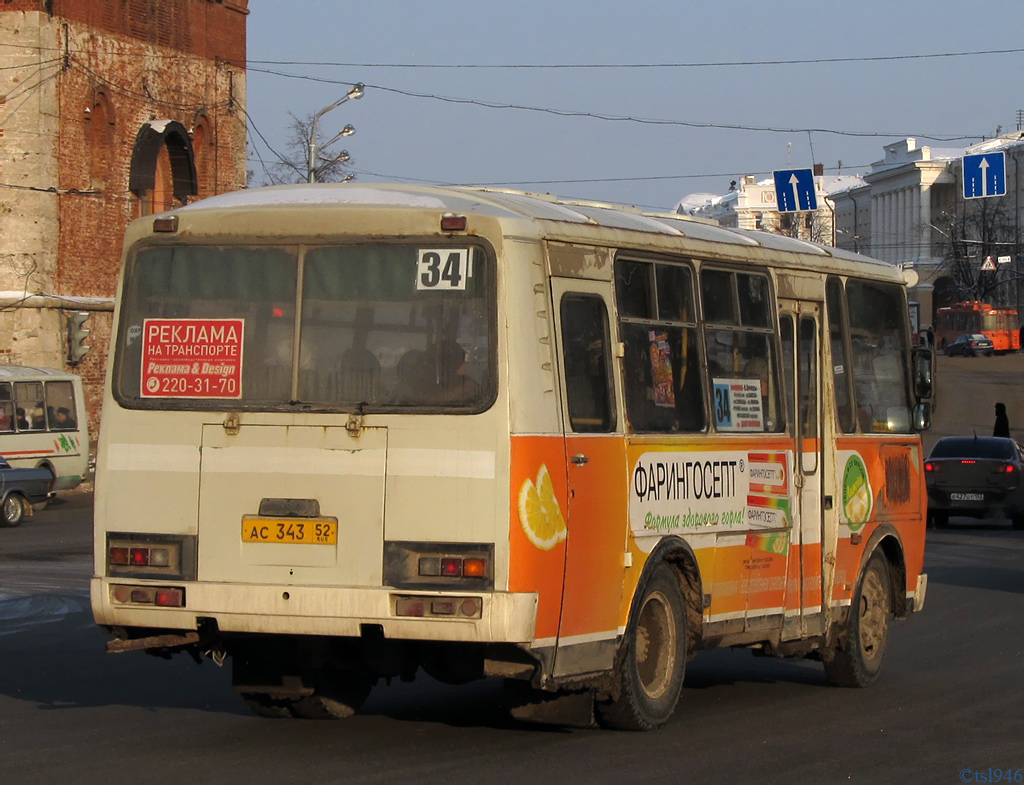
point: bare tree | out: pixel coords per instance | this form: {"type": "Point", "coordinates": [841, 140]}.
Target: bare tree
{"type": "Point", "coordinates": [978, 230]}
{"type": "Point", "coordinates": [293, 166]}
{"type": "Point", "coordinates": [811, 226]}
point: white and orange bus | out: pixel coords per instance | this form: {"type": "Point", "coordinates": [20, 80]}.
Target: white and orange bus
{"type": "Point", "coordinates": [352, 431]}
{"type": "Point", "coordinates": [44, 423]}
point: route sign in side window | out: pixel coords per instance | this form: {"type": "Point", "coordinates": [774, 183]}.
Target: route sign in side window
{"type": "Point", "coordinates": [739, 339]}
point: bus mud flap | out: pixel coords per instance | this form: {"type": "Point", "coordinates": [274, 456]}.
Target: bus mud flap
{"type": "Point", "coordinates": [119, 645]}
{"type": "Point", "coordinates": [571, 709]}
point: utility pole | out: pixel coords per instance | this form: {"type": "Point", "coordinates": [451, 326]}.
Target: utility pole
{"type": "Point", "coordinates": [348, 130]}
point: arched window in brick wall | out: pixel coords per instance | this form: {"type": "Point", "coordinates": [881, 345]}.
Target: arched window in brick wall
{"type": "Point", "coordinates": [163, 172]}
{"type": "Point", "coordinates": [100, 128]}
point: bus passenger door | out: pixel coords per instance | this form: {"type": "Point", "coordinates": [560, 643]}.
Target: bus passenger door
{"type": "Point", "coordinates": [800, 324]}
{"type": "Point", "coordinates": [595, 466]}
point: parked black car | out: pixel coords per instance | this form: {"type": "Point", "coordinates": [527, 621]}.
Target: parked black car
{"type": "Point", "coordinates": [20, 488]}
{"type": "Point", "coordinates": [970, 345]}
{"type": "Point", "coordinates": [977, 477]}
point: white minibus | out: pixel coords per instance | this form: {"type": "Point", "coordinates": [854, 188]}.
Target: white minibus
{"type": "Point", "coordinates": [43, 423]}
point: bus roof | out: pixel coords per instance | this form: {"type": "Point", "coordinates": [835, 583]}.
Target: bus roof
{"type": "Point", "coordinates": [20, 373]}
{"type": "Point", "coordinates": [546, 211]}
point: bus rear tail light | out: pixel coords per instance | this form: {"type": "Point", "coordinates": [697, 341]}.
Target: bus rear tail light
{"type": "Point", "coordinates": [170, 598]}
{"type": "Point", "coordinates": [451, 567]}
{"type": "Point", "coordinates": [444, 607]}
{"type": "Point", "coordinates": [139, 557]}
{"type": "Point", "coordinates": [162, 596]}
{"type": "Point", "coordinates": [144, 557]}
{"type": "Point", "coordinates": [151, 556]}
{"type": "Point", "coordinates": [439, 565]}
{"type": "Point", "coordinates": [475, 568]}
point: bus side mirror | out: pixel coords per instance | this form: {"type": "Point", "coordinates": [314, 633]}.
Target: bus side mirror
{"type": "Point", "coordinates": [924, 373]}
{"type": "Point", "coordinates": [923, 416]}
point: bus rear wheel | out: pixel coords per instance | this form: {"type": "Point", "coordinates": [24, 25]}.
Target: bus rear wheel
{"type": "Point", "coordinates": [857, 661]}
{"type": "Point", "coordinates": [337, 699]}
{"type": "Point", "coordinates": [263, 705]}
{"type": "Point", "coordinates": [652, 665]}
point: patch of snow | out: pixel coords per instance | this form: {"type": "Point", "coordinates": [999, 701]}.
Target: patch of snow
{"type": "Point", "coordinates": [317, 195]}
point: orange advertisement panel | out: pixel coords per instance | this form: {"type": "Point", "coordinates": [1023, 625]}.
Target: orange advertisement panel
{"type": "Point", "coordinates": [538, 529]}
{"type": "Point", "coordinates": [597, 536]}
{"type": "Point", "coordinates": [880, 481]}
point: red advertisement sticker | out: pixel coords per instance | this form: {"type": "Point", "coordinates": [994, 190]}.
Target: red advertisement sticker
{"type": "Point", "coordinates": [192, 358]}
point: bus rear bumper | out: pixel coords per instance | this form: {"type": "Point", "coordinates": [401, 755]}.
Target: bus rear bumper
{"type": "Point", "coordinates": [500, 617]}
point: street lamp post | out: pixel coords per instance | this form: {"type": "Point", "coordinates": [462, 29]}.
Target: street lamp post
{"type": "Point", "coordinates": [348, 130]}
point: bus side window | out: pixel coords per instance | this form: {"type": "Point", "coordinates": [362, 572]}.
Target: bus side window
{"type": "Point", "coordinates": [841, 376]}
{"type": "Point", "coordinates": [60, 406]}
{"type": "Point", "coordinates": [739, 341]}
{"type": "Point", "coordinates": [6, 408]}
{"type": "Point", "coordinates": [28, 397]}
{"type": "Point", "coordinates": [587, 364]}
{"type": "Point", "coordinates": [662, 380]}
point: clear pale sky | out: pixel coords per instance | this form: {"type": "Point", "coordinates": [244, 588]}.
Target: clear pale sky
{"type": "Point", "coordinates": [402, 137]}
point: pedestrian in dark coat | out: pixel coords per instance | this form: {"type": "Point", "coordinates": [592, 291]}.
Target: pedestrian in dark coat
{"type": "Point", "coordinates": [1002, 427]}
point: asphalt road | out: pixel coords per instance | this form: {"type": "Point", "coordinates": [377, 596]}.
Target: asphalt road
{"type": "Point", "coordinates": [949, 702]}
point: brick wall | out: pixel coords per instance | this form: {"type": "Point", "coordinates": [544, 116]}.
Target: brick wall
{"type": "Point", "coordinates": [208, 28]}
{"type": "Point", "coordinates": [117, 65]}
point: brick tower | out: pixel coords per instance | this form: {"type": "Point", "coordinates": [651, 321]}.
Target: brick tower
{"type": "Point", "coordinates": [109, 110]}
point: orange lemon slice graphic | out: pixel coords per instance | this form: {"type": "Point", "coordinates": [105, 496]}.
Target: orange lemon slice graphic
{"type": "Point", "coordinates": [539, 513]}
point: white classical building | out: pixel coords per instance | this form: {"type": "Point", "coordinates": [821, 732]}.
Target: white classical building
{"type": "Point", "coordinates": [752, 204]}
{"type": "Point", "coordinates": [890, 216]}
{"type": "Point", "coordinates": [896, 212]}
{"type": "Point", "coordinates": [908, 197]}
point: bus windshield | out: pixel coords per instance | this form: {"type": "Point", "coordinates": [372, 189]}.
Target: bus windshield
{"type": "Point", "coordinates": [368, 326]}
{"type": "Point", "coordinates": [878, 336]}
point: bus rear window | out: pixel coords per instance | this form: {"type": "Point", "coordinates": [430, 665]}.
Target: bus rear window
{"type": "Point", "coordinates": [374, 327]}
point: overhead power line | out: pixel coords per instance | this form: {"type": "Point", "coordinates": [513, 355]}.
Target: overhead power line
{"type": "Point", "coordinates": [565, 66]}
{"type": "Point", "coordinates": [719, 64]}
{"type": "Point", "coordinates": [625, 118]}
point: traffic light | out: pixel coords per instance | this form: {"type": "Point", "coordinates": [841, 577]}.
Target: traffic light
{"type": "Point", "coordinates": [77, 333]}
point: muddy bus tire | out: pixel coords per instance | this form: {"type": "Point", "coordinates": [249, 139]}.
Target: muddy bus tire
{"type": "Point", "coordinates": [336, 701]}
{"type": "Point", "coordinates": [265, 706]}
{"type": "Point", "coordinates": [652, 665]}
{"type": "Point", "coordinates": [857, 661]}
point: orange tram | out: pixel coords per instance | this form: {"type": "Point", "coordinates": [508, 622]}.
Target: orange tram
{"type": "Point", "coordinates": [1001, 325]}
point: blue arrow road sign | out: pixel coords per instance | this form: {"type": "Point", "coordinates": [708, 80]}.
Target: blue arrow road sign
{"type": "Point", "coordinates": [984, 175]}
{"type": "Point", "coordinates": [794, 190]}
